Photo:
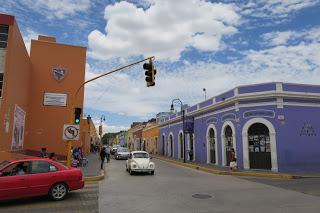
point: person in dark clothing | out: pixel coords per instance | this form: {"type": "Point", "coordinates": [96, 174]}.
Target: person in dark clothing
{"type": "Point", "coordinates": [102, 156]}
{"type": "Point", "coordinates": [43, 153]}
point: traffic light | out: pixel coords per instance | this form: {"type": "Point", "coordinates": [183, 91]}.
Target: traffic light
{"type": "Point", "coordinates": [150, 73]}
{"type": "Point", "coordinates": [77, 115]}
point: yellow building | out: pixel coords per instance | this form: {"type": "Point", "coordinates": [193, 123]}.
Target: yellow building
{"type": "Point", "coordinates": [130, 139]}
{"type": "Point", "coordinates": [150, 137]}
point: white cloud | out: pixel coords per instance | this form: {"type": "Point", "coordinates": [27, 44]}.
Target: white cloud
{"type": "Point", "coordinates": [275, 9]}
{"type": "Point", "coordinates": [126, 93]}
{"type": "Point", "coordinates": [57, 8]}
{"type": "Point", "coordinates": [165, 29]}
{"type": "Point", "coordinates": [29, 35]}
{"type": "Point", "coordinates": [106, 128]}
{"type": "Point", "coordinates": [283, 38]}
{"type": "Point", "coordinates": [278, 38]}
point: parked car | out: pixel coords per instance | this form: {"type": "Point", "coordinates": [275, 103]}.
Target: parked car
{"type": "Point", "coordinates": [37, 177]}
{"type": "Point", "coordinates": [122, 153]}
{"type": "Point", "coordinates": [114, 149]}
{"type": "Point", "coordinates": [140, 161]}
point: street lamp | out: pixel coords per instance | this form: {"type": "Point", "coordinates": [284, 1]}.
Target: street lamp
{"type": "Point", "coordinates": [183, 126]}
{"type": "Point", "coordinates": [205, 93]}
{"type": "Point", "coordinates": [103, 118]}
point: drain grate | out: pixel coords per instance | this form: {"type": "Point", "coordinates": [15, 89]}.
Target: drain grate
{"type": "Point", "coordinates": [201, 196]}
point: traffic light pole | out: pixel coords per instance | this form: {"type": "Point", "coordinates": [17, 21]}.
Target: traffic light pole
{"type": "Point", "coordinates": [69, 143]}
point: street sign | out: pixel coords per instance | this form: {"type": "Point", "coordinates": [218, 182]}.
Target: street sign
{"type": "Point", "coordinates": [71, 132]}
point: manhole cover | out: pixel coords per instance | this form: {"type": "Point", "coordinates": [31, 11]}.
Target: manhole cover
{"type": "Point", "coordinates": [202, 196]}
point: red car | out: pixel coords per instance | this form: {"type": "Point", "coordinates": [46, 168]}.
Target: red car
{"type": "Point", "coordinates": [36, 177]}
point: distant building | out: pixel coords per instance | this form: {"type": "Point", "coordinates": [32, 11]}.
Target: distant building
{"type": "Point", "coordinates": [150, 136]}
{"type": "Point", "coordinates": [123, 138]}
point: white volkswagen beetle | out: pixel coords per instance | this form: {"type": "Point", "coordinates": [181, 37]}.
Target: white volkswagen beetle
{"type": "Point", "coordinates": [139, 161]}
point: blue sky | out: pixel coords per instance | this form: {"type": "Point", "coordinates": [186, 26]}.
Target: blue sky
{"type": "Point", "coordinates": [198, 44]}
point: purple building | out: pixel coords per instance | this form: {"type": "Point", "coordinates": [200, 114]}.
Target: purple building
{"type": "Point", "coordinates": [270, 126]}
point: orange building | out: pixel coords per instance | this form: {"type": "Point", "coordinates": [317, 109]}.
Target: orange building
{"type": "Point", "coordinates": [150, 137]}
{"type": "Point", "coordinates": [36, 91]}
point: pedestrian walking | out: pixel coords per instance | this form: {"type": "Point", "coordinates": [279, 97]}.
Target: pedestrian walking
{"type": "Point", "coordinates": [233, 161]}
{"type": "Point", "coordinates": [102, 156]}
{"type": "Point", "coordinates": [108, 153]}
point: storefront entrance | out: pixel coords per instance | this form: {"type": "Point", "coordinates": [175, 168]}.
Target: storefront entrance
{"type": "Point", "coordinates": [191, 141]}
{"type": "Point", "coordinates": [212, 145]}
{"type": "Point", "coordinates": [181, 145]}
{"type": "Point", "coordinates": [259, 147]}
{"type": "Point", "coordinates": [228, 143]}
{"type": "Point", "coordinates": [171, 145]}
{"type": "Point", "coordinates": [163, 144]}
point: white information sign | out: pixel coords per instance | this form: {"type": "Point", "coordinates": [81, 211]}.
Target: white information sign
{"type": "Point", "coordinates": [71, 132]}
{"type": "Point", "coordinates": [54, 99]}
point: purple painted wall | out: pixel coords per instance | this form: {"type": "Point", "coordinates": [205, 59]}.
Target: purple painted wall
{"type": "Point", "coordinates": [301, 88]}
{"type": "Point", "coordinates": [297, 132]}
{"type": "Point", "coordinates": [298, 140]}
{"type": "Point", "coordinates": [224, 96]}
{"type": "Point", "coordinates": [258, 101]}
{"type": "Point", "coordinates": [191, 109]}
{"type": "Point", "coordinates": [205, 103]}
{"type": "Point", "coordinates": [257, 88]}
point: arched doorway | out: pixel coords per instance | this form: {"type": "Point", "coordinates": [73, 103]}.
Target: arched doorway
{"type": "Point", "coordinates": [181, 145]}
{"type": "Point", "coordinates": [228, 134]}
{"type": "Point", "coordinates": [273, 142]}
{"type": "Point", "coordinates": [211, 146]}
{"type": "Point", "coordinates": [191, 147]}
{"type": "Point", "coordinates": [171, 145]}
{"type": "Point", "coordinates": [259, 146]}
{"type": "Point", "coordinates": [163, 144]}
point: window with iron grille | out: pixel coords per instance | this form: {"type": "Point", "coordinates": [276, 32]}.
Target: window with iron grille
{"type": "Point", "coordinates": [4, 29]}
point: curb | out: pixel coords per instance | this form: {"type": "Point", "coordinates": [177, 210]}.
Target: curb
{"type": "Point", "coordinates": [96, 178]}
{"type": "Point", "coordinates": [93, 178]}
{"type": "Point", "coordinates": [219, 172]}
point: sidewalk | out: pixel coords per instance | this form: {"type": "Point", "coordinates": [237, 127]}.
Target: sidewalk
{"type": "Point", "coordinates": [210, 168]}
{"type": "Point", "coordinates": [92, 171]}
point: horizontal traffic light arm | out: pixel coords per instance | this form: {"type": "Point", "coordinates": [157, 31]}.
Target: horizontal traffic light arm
{"type": "Point", "coordinates": [113, 71]}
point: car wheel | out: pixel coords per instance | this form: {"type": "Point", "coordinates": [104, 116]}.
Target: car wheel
{"type": "Point", "coordinates": [130, 172]}
{"type": "Point", "coordinates": [58, 191]}
{"type": "Point", "coordinates": [152, 172]}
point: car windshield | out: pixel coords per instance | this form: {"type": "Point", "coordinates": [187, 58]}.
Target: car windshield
{"type": "Point", "coordinates": [123, 149]}
{"type": "Point", "coordinates": [3, 163]}
{"type": "Point", "coordinates": [141, 155]}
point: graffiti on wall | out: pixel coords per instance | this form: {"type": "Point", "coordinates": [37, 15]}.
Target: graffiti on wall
{"type": "Point", "coordinates": [18, 128]}
{"type": "Point", "coordinates": [307, 130]}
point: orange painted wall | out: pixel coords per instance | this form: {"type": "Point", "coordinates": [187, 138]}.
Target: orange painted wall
{"type": "Point", "coordinates": [88, 134]}
{"type": "Point", "coordinates": [149, 133]}
{"type": "Point", "coordinates": [45, 123]}
{"type": "Point", "coordinates": [17, 79]}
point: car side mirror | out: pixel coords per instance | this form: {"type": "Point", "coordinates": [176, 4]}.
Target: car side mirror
{"type": "Point", "coordinates": [150, 157]}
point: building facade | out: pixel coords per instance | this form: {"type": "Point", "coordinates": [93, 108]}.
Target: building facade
{"type": "Point", "coordinates": [123, 138]}
{"type": "Point", "coordinates": [36, 90]}
{"type": "Point", "coordinates": [271, 126]}
{"type": "Point", "coordinates": [136, 140]}
{"type": "Point", "coordinates": [150, 137]}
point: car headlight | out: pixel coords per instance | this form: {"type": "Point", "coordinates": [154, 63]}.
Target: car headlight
{"type": "Point", "coordinates": [134, 165]}
{"type": "Point", "coordinates": [151, 166]}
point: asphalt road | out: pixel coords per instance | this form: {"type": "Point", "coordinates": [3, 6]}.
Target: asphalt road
{"type": "Point", "coordinates": [172, 188]}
